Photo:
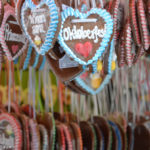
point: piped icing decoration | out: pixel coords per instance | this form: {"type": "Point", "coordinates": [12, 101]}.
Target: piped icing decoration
{"type": "Point", "coordinates": [143, 24]}
{"type": "Point", "coordinates": [18, 6]}
{"type": "Point", "coordinates": [35, 135]}
{"type": "Point", "coordinates": [134, 22]}
{"type": "Point", "coordinates": [40, 23]}
{"type": "Point", "coordinates": [13, 40]}
{"type": "Point", "coordinates": [44, 135]}
{"type": "Point", "coordinates": [10, 128]}
{"type": "Point", "coordinates": [94, 83]}
{"type": "Point", "coordinates": [1, 11]}
{"type": "Point", "coordinates": [84, 36]}
{"type": "Point", "coordinates": [128, 43]}
{"type": "Point", "coordinates": [119, 143]}
{"type": "Point", "coordinates": [27, 59]}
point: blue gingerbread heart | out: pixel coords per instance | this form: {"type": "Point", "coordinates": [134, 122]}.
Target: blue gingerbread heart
{"type": "Point", "coordinates": [40, 23]}
{"type": "Point", "coordinates": [85, 84]}
{"type": "Point", "coordinates": [84, 36]}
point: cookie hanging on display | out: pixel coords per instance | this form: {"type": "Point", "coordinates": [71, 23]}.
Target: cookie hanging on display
{"type": "Point", "coordinates": [114, 10]}
{"type": "Point", "coordinates": [77, 133]}
{"type": "Point", "coordinates": [134, 22]}
{"type": "Point", "coordinates": [128, 43]}
{"type": "Point", "coordinates": [34, 135]}
{"type": "Point", "coordinates": [84, 36]}
{"type": "Point", "coordinates": [44, 137]}
{"type": "Point", "coordinates": [63, 67]}
{"type": "Point", "coordinates": [48, 121]}
{"type": "Point", "coordinates": [87, 135]}
{"type": "Point", "coordinates": [24, 122]}
{"type": "Point", "coordinates": [94, 82]}
{"type": "Point", "coordinates": [10, 128]}
{"type": "Point", "coordinates": [143, 24]}
{"type": "Point", "coordinates": [105, 130]}
{"type": "Point", "coordinates": [40, 21]}
{"type": "Point", "coordinates": [13, 40]}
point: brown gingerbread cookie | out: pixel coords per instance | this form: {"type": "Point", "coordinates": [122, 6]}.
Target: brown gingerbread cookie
{"type": "Point", "coordinates": [87, 136]}
{"type": "Point", "coordinates": [104, 127]}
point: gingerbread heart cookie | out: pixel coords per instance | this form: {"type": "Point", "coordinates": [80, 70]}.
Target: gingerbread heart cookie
{"type": "Point", "coordinates": [62, 66]}
{"type": "Point", "coordinates": [12, 38]}
{"type": "Point", "coordinates": [10, 132]}
{"type": "Point", "coordinates": [93, 83]}
{"type": "Point", "coordinates": [84, 36]}
{"type": "Point", "coordinates": [41, 23]}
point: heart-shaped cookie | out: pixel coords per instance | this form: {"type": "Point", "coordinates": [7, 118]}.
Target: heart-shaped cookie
{"type": "Point", "coordinates": [93, 83]}
{"type": "Point", "coordinates": [10, 132]}
{"type": "Point", "coordinates": [12, 38]}
{"type": "Point", "coordinates": [64, 68]}
{"type": "Point", "coordinates": [84, 36]}
{"type": "Point", "coordinates": [41, 23]}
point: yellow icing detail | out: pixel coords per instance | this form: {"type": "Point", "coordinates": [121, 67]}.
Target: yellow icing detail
{"type": "Point", "coordinates": [37, 42]}
{"type": "Point", "coordinates": [96, 82]}
{"type": "Point", "coordinates": [9, 130]}
{"type": "Point", "coordinates": [99, 65]}
{"type": "Point", "coordinates": [113, 66]}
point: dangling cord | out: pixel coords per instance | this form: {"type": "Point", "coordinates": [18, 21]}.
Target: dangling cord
{"type": "Point", "coordinates": [61, 97]}
{"type": "Point", "coordinates": [93, 3]}
{"type": "Point", "coordinates": [30, 91]}
{"type": "Point", "coordinates": [102, 4]}
{"type": "Point", "coordinates": [76, 4]}
{"type": "Point", "coordinates": [78, 108]}
{"type": "Point", "coordinates": [95, 106]}
{"type": "Point", "coordinates": [33, 94]}
{"type": "Point", "coordinates": [46, 90]}
{"type": "Point", "coordinates": [50, 91]}
{"type": "Point", "coordinates": [13, 82]}
{"type": "Point", "coordinates": [134, 92]}
{"type": "Point", "coordinates": [19, 74]}
{"type": "Point", "coordinates": [9, 86]}
{"type": "Point", "coordinates": [38, 92]}
{"type": "Point", "coordinates": [139, 92]}
{"type": "Point", "coordinates": [118, 87]}
{"type": "Point", "coordinates": [127, 96]}
{"type": "Point", "coordinates": [147, 78]}
{"type": "Point", "coordinates": [72, 100]}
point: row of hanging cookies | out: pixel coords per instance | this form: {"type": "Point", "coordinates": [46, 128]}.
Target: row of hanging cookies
{"type": "Point", "coordinates": [86, 33]}
{"type": "Point", "coordinates": [21, 129]}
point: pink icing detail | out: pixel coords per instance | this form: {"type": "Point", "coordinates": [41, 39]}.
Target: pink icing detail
{"type": "Point", "coordinates": [15, 48]}
{"type": "Point", "coordinates": [84, 75]}
{"type": "Point", "coordinates": [8, 10]}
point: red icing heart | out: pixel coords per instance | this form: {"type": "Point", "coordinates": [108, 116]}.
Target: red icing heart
{"type": "Point", "coordinates": [84, 49]}
{"type": "Point", "coordinates": [14, 48]}
{"type": "Point", "coordinates": [84, 75]}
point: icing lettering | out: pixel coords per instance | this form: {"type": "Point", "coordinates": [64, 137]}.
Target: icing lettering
{"type": "Point", "coordinates": [37, 19]}
{"type": "Point", "coordinates": [78, 34]}
{"type": "Point", "coordinates": [9, 36]}
{"type": "Point", "coordinates": [37, 29]}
